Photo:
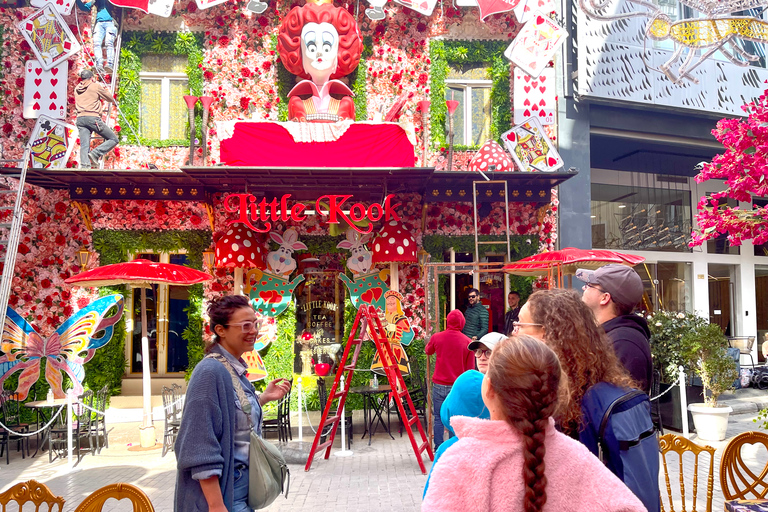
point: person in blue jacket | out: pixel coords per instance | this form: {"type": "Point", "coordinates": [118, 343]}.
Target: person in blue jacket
{"type": "Point", "coordinates": [465, 399]}
{"type": "Point", "coordinates": [104, 33]}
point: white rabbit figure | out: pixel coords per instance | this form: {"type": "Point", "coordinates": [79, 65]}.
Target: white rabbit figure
{"type": "Point", "coordinates": [281, 261]}
{"type": "Point", "coordinates": [361, 259]}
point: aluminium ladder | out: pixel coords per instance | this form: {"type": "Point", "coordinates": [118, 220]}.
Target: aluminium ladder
{"type": "Point", "coordinates": [478, 243]}
{"type": "Point", "coordinates": [113, 76]}
{"type": "Point", "coordinates": [367, 321]}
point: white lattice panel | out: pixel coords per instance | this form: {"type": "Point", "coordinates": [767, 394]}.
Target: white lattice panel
{"type": "Point", "coordinates": [613, 71]}
{"type": "Point", "coordinates": [629, 31]}
{"type": "Point", "coordinates": [686, 94]}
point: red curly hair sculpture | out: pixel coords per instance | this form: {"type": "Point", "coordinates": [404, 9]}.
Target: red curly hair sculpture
{"type": "Point", "coordinates": [306, 52]}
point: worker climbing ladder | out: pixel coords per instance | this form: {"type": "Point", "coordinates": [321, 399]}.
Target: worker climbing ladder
{"type": "Point", "coordinates": [368, 322]}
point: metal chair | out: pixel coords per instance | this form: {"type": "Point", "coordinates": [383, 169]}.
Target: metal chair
{"type": "Point", "coordinates": [172, 419]}
{"type": "Point", "coordinates": [680, 445]}
{"type": "Point", "coordinates": [744, 344]}
{"type": "Point", "coordinates": [31, 491]}
{"type": "Point", "coordinates": [81, 429]}
{"type": "Point", "coordinates": [322, 394]}
{"type": "Point", "coordinates": [99, 425]}
{"type": "Point", "coordinates": [736, 478]}
{"type": "Point", "coordinates": [9, 401]}
{"type": "Point", "coordinates": [95, 501]}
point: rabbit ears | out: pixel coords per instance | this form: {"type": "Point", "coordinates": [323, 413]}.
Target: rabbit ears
{"type": "Point", "coordinates": [289, 240]}
{"type": "Point", "coordinates": [353, 240]}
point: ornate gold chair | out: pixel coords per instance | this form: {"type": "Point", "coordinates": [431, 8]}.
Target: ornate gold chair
{"type": "Point", "coordinates": [736, 478]}
{"type": "Point", "coordinates": [31, 491]}
{"type": "Point", "coordinates": [95, 501]}
{"type": "Point", "coordinates": [680, 445]}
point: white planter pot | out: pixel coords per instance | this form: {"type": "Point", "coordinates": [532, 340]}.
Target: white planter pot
{"type": "Point", "coordinates": [711, 422]}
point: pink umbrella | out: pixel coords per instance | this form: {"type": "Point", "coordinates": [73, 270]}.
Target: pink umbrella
{"type": "Point", "coordinates": [141, 273]}
{"type": "Point", "coordinates": [570, 259]}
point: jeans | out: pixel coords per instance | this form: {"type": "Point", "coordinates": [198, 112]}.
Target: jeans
{"type": "Point", "coordinates": [88, 124]}
{"type": "Point", "coordinates": [105, 32]}
{"type": "Point", "coordinates": [439, 393]}
{"type": "Point", "coordinates": [241, 490]}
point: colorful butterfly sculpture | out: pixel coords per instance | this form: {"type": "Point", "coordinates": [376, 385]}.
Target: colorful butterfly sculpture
{"type": "Point", "coordinates": [66, 350]}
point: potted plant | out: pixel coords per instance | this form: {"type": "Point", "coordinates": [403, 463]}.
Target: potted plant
{"type": "Point", "coordinates": [667, 331]}
{"type": "Point", "coordinates": [705, 348]}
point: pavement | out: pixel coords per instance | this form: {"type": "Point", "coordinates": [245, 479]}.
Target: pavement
{"type": "Point", "coordinates": [381, 477]}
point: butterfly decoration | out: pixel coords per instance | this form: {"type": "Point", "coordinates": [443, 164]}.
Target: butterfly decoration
{"type": "Point", "coordinates": [72, 345]}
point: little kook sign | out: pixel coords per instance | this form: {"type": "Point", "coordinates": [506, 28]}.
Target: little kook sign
{"type": "Point", "coordinates": [253, 212]}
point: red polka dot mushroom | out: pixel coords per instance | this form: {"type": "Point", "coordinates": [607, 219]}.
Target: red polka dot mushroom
{"type": "Point", "coordinates": [239, 248]}
{"type": "Point", "coordinates": [394, 245]}
{"type": "Point", "coordinates": [491, 157]}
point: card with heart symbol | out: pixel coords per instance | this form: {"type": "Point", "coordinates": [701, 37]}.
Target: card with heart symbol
{"type": "Point", "coordinates": [49, 36]}
{"type": "Point", "coordinates": [162, 8]}
{"type": "Point", "coordinates": [531, 148]}
{"type": "Point", "coordinates": [51, 143]}
{"type": "Point", "coordinates": [525, 9]}
{"type": "Point", "coordinates": [205, 4]}
{"type": "Point", "coordinates": [489, 7]}
{"type": "Point", "coordinates": [424, 7]}
{"type": "Point", "coordinates": [535, 97]}
{"type": "Point", "coordinates": [62, 6]}
{"type": "Point", "coordinates": [45, 92]}
{"type": "Point", "coordinates": [536, 44]}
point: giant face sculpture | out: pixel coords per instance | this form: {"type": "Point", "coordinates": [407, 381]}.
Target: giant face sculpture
{"type": "Point", "coordinates": [320, 42]}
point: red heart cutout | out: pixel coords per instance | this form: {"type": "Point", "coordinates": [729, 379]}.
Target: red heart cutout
{"type": "Point", "coordinates": [527, 103]}
{"type": "Point", "coordinates": [535, 107]}
{"type": "Point", "coordinates": [38, 71]}
{"type": "Point", "coordinates": [527, 113]}
{"type": "Point", "coordinates": [542, 89]}
{"type": "Point", "coordinates": [59, 2]}
{"type": "Point", "coordinates": [36, 96]}
{"type": "Point", "coordinates": [54, 81]}
{"type": "Point", "coordinates": [551, 161]}
{"type": "Point", "coordinates": [535, 84]}
{"type": "Point", "coordinates": [67, 45]}
{"type": "Point", "coordinates": [377, 292]}
{"type": "Point", "coordinates": [539, 20]}
{"type": "Point", "coordinates": [541, 3]}
{"type": "Point", "coordinates": [511, 136]}
{"type": "Point", "coordinates": [543, 78]}
{"type": "Point", "coordinates": [52, 106]}
{"type": "Point", "coordinates": [542, 102]}
{"type": "Point", "coordinates": [527, 89]}
{"type": "Point", "coordinates": [269, 296]}
{"type": "Point", "coordinates": [542, 113]}
{"type": "Point", "coordinates": [36, 106]}
{"type": "Point", "coordinates": [367, 297]}
{"type": "Point", "coordinates": [55, 71]}
{"type": "Point", "coordinates": [527, 78]}
{"type": "Point", "coordinates": [38, 82]}
{"type": "Point", "coordinates": [53, 95]}
{"type": "Point", "coordinates": [29, 26]}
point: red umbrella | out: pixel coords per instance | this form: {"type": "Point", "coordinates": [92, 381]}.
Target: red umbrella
{"type": "Point", "coordinates": [570, 259]}
{"type": "Point", "coordinates": [141, 273]}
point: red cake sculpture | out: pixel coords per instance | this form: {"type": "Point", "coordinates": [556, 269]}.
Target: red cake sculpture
{"type": "Point", "coordinates": [320, 43]}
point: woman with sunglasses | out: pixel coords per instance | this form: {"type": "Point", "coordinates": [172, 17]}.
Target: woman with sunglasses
{"type": "Point", "coordinates": [212, 447]}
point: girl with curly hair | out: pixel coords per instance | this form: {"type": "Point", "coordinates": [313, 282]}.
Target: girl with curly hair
{"type": "Point", "coordinates": [568, 326]}
{"type": "Point", "coordinates": [517, 460]}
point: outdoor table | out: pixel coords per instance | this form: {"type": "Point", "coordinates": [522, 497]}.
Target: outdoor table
{"type": "Point", "coordinates": [40, 406]}
{"type": "Point", "coordinates": [373, 408]}
{"type": "Point", "coordinates": [759, 505]}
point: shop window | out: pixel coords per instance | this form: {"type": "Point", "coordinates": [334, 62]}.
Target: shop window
{"type": "Point", "coordinates": [472, 119]}
{"type": "Point", "coordinates": [761, 250]}
{"type": "Point", "coordinates": [720, 245]}
{"type": "Point", "coordinates": [667, 286]}
{"type": "Point", "coordinates": [163, 112]}
{"type": "Point", "coordinates": [166, 322]}
{"type": "Point", "coordinates": [761, 296]}
{"type": "Point", "coordinates": [628, 217]}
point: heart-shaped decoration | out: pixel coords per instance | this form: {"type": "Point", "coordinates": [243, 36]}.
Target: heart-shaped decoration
{"type": "Point", "coordinates": [533, 64]}
{"type": "Point", "coordinates": [535, 84]}
{"type": "Point", "coordinates": [551, 161]}
{"type": "Point", "coordinates": [372, 295]}
{"type": "Point", "coordinates": [541, 3]}
{"type": "Point", "coordinates": [36, 106]}
{"type": "Point", "coordinates": [52, 106]}
{"type": "Point", "coordinates": [38, 81]}
{"type": "Point", "coordinates": [539, 20]}
{"type": "Point", "coordinates": [53, 95]}
{"type": "Point", "coordinates": [268, 296]}
{"type": "Point", "coordinates": [527, 78]}
{"type": "Point", "coordinates": [527, 113]}
{"type": "Point", "coordinates": [542, 89]}
{"type": "Point", "coordinates": [54, 81]}
{"type": "Point", "coordinates": [542, 113]}
{"type": "Point", "coordinates": [59, 2]}
{"type": "Point", "coordinates": [36, 96]}
{"type": "Point", "coordinates": [55, 71]}
{"type": "Point", "coordinates": [527, 102]}
{"type": "Point", "coordinates": [38, 71]}
{"type": "Point", "coordinates": [535, 107]}
{"type": "Point", "coordinates": [527, 89]}
{"type": "Point", "coordinates": [543, 78]}
{"type": "Point", "coordinates": [512, 137]}
{"type": "Point", "coordinates": [542, 102]}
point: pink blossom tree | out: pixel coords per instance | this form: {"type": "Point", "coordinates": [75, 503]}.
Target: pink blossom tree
{"type": "Point", "coordinates": [744, 167]}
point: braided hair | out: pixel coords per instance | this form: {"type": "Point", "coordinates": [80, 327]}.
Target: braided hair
{"type": "Point", "coordinates": [525, 374]}
{"type": "Point", "coordinates": [220, 312]}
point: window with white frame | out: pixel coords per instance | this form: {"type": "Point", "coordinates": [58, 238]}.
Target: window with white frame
{"type": "Point", "coordinates": [471, 87]}
{"type": "Point", "coordinates": [164, 83]}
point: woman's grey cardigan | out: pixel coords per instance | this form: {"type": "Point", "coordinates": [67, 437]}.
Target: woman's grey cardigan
{"type": "Point", "coordinates": [206, 437]}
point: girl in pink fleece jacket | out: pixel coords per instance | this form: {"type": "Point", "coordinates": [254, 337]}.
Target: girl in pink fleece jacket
{"type": "Point", "coordinates": [517, 460]}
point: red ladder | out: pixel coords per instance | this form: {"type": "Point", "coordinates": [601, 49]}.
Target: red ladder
{"type": "Point", "coordinates": [367, 320]}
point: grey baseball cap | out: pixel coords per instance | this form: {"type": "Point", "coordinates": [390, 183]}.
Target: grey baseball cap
{"type": "Point", "coordinates": [86, 74]}
{"type": "Point", "coordinates": [490, 340]}
{"type": "Point", "coordinates": [621, 281]}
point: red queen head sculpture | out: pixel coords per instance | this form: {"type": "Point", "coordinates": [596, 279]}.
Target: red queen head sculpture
{"type": "Point", "coordinates": [320, 42]}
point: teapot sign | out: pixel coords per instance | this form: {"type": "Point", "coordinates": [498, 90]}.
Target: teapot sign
{"type": "Point", "coordinates": [252, 211]}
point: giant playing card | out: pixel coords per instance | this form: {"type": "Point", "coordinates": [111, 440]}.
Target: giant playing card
{"type": "Point", "coordinates": [51, 143]}
{"type": "Point", "coordinates": [536, 44]}
{"type": "Point", "coordinates": [48, 35]}
{"type": "Point", "coordinates": [62, 6]}
{"type": "Point", "coordinates": [424, 7]}
{"type": "Point", "coordinates": [45, 92]}
{"type": "Point", "coordinates": [531, 148]}
{"type": "Point", "coordinates": [535, 97]}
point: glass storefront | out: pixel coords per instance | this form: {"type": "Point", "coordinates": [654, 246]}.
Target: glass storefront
{"type": "Point", "coordinates": [667, 286]}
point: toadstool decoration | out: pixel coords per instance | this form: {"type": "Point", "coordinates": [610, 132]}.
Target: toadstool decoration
{"type": "Point", "coordinates": [239, 248]}
{"type": "Point", "coordinates": [491, 157]}
{"type": "Point", "coordinates": [394, 245]}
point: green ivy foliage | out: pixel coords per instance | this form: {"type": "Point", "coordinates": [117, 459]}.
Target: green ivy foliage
{"type": "Point", "coordinates": [520, 246]}
{"type": "Point", "coordinates": [114, 246]}
{"type": "Point", "coordinates": [443, 55]}
{"type": "Point", "coordinates": [129, 94]}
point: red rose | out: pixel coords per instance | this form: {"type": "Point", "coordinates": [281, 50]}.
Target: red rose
{"type": "Point", "coordinates": [208, 75]}
{"type": "Point", "coordinates": [23, 249]}
{"type": "Point", "coordinates": [246, 73]}
{"type": "Point", "coordinates": [66, 294]}
{"type": "Point", "coordinates": [48, 301]}
{"type": "Point", "coordinates": [421, 26]}
{"type": "Point", "coordinates": [224, 41]}
{"type": "Point", "coordinates": [107, 208]}
{"type": "Point", "coordinates": [13, 300]}
{"type": "Point", "coordinates": [195, 220]}
{"type": "Point", "coordinates": [25, 46]}
{"type": "Point", "coordinates": [40, 218]}
{"type": "Point", "coordinates": [217, 287]}
{"type": "Point", "coordinates": [83, 302]}
{"type": "Point", "coordinates": [266, 65]}
{"type": "Point", "coordinates": [244, 101]}
{"type": "Point", "coordinates": [61, 207]}
{"type": "Point", "coordinates": [60, 240]}
{"type": "Point", "coordinates": [160, 209]}
{"type": "Point", "coordinates": [19, 82]}
{"type": "Point", "coordinates": [68, 310]}
{"type": "Point", "coordinates": [423, 78]}
{"type": "Point", "coordinates": [45, 283]}
{"type": "Point", "coordinates": [7, 128]}
{"type": "Point", "coordinates": [191, 7]}
{"type": "Point", "coordinates": [396, 78]}
{"type": "Point", "coordinates": [263, 21]}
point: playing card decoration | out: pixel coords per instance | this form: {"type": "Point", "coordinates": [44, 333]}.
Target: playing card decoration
{"type": "Point", "coordinates": [424, 7]}
{"type": "Point", "coordinates": [491, 157]}
{"type": "Point", "coordinates": [204, 4]}
{"type": "Point", "coordinates": [536, 44]}
{"type": "Point", "coordinates": [535, 97]}
{"type": "Point", "coordinates": [489, 7]}
{"type": "Point", "coordinates": [51, 143]}
{"type": "Point", "coordinates": [157, 7]}
{"type": "Point", "coordinates": [525, 9]}
{"type": "Point", "coordinates": [48, 35]}
{"type": "Point", "coordinates": [45, 92]}
{"type": "Point", "coordinates": [62, 6]}
{"type": "Point", "coordinates": [531, 148]}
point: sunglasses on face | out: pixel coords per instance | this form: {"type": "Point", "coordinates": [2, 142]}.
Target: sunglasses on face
{"type": "Point", "coordinates": [517, 325]}
{"type": "Point", "coordinates": [246, 327]}
{"type": "Point", "coordinates": [473, 296]}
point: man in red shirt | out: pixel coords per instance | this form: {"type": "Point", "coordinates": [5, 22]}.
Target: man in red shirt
{"type": "Point", "coordinates": [453, 358]}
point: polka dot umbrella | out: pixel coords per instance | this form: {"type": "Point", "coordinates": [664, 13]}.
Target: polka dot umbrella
{"type": "Point", "coordinates": [394, 245]}
{"type": "Point", "coordinates": [239, 248]}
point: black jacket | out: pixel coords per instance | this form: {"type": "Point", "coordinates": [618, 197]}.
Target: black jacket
{"type": "Point", "coordinates": [629, 335]}
{"type": "Point", "coordinates": [476, 321]}
{"type": "Point", "coordinates": [513, 315]}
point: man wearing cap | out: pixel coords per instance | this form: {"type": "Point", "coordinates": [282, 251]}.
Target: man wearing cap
{"type": "Point", "coordinates": [88, 97]}
{"type": "Point", "coordinates": [483, 348]}
{"type": "Point", "coordinates": [612, 292]}
{"type": "Point", "coordinates": [453, 358]}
